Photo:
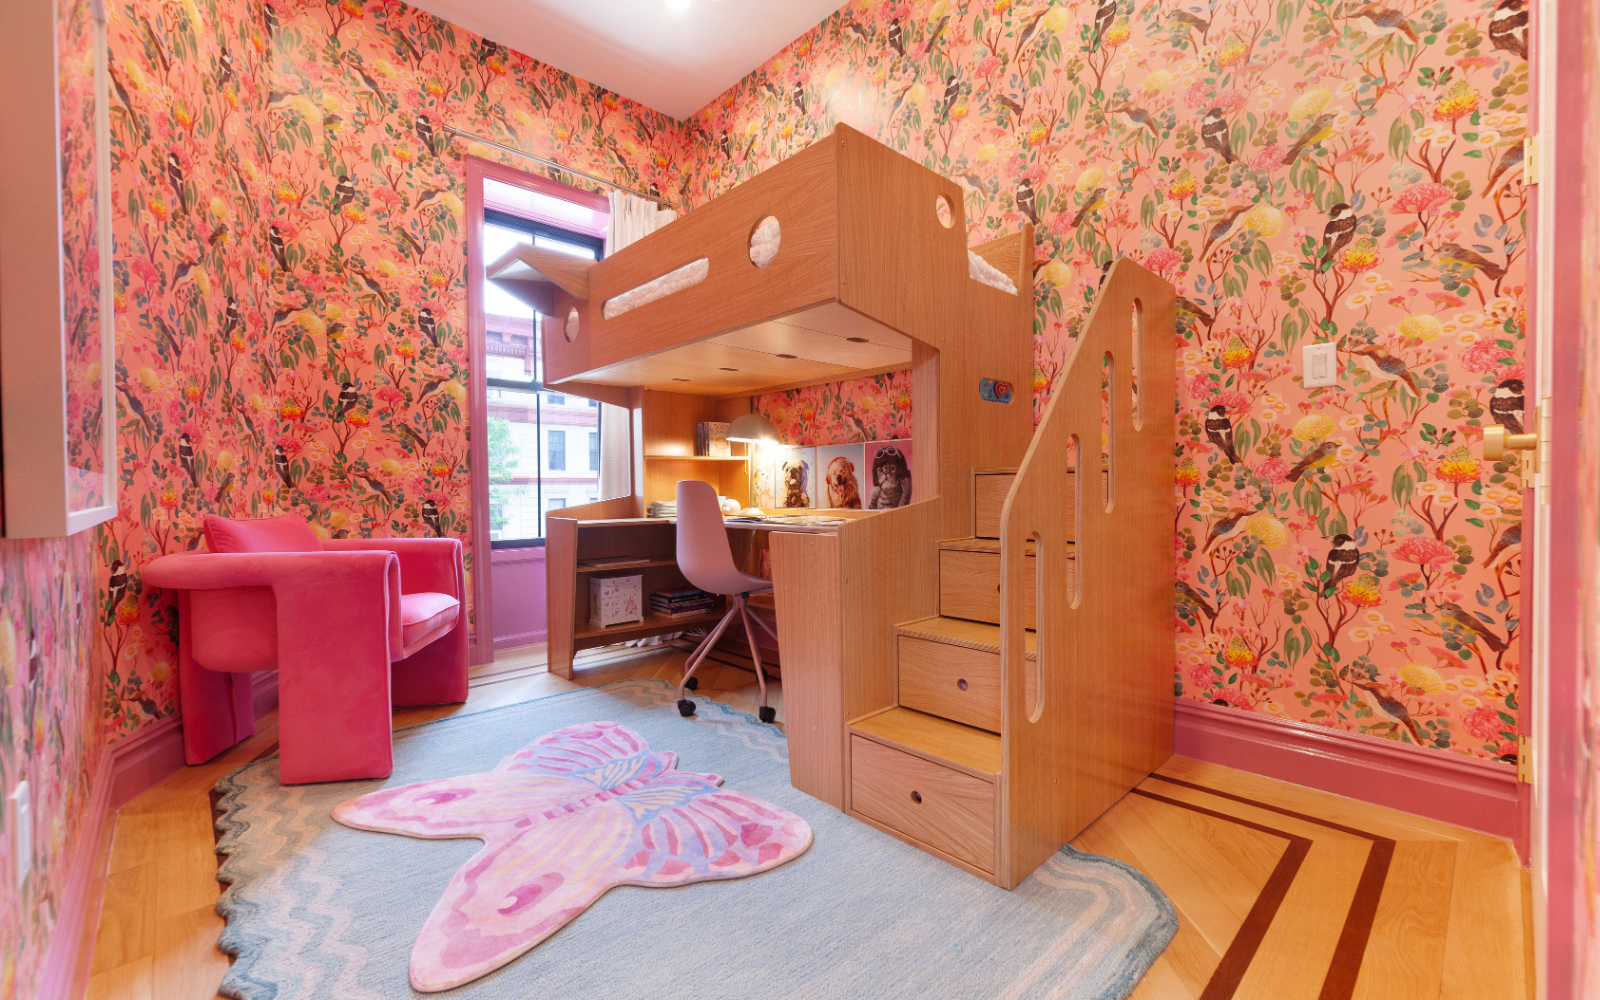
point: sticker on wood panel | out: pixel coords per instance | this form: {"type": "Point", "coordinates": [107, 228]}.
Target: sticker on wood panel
{"type": "Point", "coordinates": [994, 391]}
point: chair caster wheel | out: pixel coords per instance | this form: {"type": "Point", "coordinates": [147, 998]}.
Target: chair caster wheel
{"type": "Point", "coordinates": [693, 684]}
{"type": "Point", "coordinates": [767, 714]}
{"type": "Point", "coordinates": [685, 708]}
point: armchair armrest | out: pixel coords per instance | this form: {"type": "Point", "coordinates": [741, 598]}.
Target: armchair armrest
{"type": "Point", "coordinates": [426, 564]}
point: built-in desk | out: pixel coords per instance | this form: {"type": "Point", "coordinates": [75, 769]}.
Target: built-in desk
{"type": "Point", "coordinates": [570, 544]}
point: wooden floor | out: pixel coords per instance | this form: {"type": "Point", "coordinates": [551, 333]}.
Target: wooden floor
{"type": "Point", "coordinates": [1281, 892]}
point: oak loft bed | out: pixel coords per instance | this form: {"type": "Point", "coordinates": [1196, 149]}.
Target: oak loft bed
{"type": "Point", "coordinates": [982, 672]}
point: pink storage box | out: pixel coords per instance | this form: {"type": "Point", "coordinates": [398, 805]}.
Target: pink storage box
{"type": "Point", "coordinates": [615, 600]}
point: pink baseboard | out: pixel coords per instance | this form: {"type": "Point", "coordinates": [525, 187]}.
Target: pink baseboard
{"type": "Point", "coordinates": [128, 768]}
{"type": "Point", "coordinates": [1477, 794]}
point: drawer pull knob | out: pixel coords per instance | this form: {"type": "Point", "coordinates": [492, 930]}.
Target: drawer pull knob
{"type": "Point", "coordinates": [962, 683]}
{"type": "Point", "coordinates": [916, 797]}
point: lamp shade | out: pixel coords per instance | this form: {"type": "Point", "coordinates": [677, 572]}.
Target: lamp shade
{"type": "Point", "coordinates": [753, 428]}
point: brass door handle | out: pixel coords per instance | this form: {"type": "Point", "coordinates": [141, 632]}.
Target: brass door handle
{"type": "Point", "coordinates": [1497, 441]}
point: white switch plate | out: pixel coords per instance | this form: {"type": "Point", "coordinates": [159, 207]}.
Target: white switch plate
{"type": "Point", "coordinates": [1320, 366]}
{"type": "Point", "coordinates": [22, 825]}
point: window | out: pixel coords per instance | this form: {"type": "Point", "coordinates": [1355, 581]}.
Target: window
{"type": "Point", "coordinates": [528, 426]}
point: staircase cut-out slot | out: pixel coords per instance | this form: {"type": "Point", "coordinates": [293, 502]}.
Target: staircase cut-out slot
{"type": "Point", "coordinates": [1033, 680]}
{"type": "Point", "coordinates": [1108, 432]}
{"type": "Point", "coordinates": [1136, 362]}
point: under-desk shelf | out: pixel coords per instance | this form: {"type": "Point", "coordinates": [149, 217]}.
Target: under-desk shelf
{"type": "Point", "coordinates": [697, 458]}
{"type": "Point", "coordinates": [651, 623]}
{"type": "Point", "coordinates": [625, 567]}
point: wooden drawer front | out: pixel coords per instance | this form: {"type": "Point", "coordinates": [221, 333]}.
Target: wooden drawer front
{"type": "Point", "coordinates": [953, 682]}
{"type": "Point", "coordinates": [956, 811]}
{"type": "Point", "coordinates": [989, 496]}
{"type": "Point", "coordinates": [969, 586]}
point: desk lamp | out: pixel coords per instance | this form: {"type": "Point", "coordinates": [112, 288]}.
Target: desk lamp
{"type": "Point", "coordinates": [751, 430]}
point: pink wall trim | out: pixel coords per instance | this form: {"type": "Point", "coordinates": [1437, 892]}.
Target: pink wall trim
{"type": "Point", "coordinates": [519, 597]}
{"type": "Point", "coordinates": [1476, 794]}
{"type": "Point", "coordinates": [128, 768]}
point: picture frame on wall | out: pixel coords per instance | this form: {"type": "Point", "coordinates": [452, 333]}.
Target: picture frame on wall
{"type": "Point", "coordinates": [887, 479]}
{"type": "Point", "coordinates": [842, 477]}
{"type": "Point", "coordinates": [796, 479]}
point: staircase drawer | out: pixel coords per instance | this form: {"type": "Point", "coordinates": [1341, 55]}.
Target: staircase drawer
{"type": "Point", "coordinates": [928, 802]}
{"type": "Point", "coordinates": [969, 586]}
{"type": "Point", "coordinates": [953, 682]}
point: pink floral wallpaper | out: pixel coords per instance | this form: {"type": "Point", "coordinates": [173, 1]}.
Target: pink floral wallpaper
{"type": "Point", "coordinates": [1303, 173]}
{"type": "Point", "coordinates": [290, 262]}
{"type": "Point", "coordinates": [850, 412]}
{"type": "Point", "coordinates": [49, 734]}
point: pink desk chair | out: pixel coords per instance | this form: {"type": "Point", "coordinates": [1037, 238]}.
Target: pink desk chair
{"type": "Point", "coordinates": [706, 560]}
{"type": "Point", "coordinates": [353, 627]}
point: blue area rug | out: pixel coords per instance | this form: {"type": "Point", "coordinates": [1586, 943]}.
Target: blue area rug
{"type": "Point", "coordinates": [318, 910]}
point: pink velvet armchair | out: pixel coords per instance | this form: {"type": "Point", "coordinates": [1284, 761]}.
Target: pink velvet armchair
{"type": "Point", "coordinates": [353, 627]}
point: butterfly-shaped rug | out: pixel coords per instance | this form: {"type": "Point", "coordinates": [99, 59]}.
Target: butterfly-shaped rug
{"type": "Point", "coordinates": [562, 820]}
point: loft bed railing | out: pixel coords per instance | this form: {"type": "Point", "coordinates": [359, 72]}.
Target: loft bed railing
{"type": "Point", "coordinates": [1096, 718]}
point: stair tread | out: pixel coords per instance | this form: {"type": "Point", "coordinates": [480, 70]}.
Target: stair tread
{"type": "Point", "coordinates": [994, 472]}
{"type": "Point", "coordinates": [976, 751]}
{"type": "Point", "coordinates": [961, 632]}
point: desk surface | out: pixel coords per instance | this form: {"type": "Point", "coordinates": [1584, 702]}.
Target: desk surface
{"type": "Point", "coordinates": [769, 524]}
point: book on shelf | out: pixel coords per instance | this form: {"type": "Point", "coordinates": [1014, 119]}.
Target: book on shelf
{"type": "Point", "coordinates": [681, 614]}
{"type": "Point", "coordinates": [711, 439]}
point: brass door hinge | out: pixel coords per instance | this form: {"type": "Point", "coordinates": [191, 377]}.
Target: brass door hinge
{"type": "Point", "coordinates": [1530, 160]}
{"type": "Point", "coordinates": [1524, 760]}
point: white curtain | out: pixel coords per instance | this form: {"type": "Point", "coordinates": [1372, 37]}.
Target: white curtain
{"type": "Point", "coordinates": [633, 218]}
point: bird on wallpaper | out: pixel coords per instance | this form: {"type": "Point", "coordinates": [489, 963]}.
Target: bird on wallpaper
{"type": "Point", "coordinates": [368, 281]}
{"type": "Point", "coordinates": [1391, 706]}
{"type": "Point", "coordinates": [1214, 133]}
{"type": "Point", "coordinates": [348, 397]}
{"type": "Point", "coordinates": [377, 485]}
{"type": "Point", "coordinates": [134, 405]}
{"type": "Point", "coordinates": [725, 143]}
{"type": "Point", "coordinates": [1465, 620]}
{"type": "Point", "coordinates": [375, 87]}
{"type": "Point", "coordinates": [430, 517]}
{"type": "Point", "coordinates": [1510, 159]}
{"type": "Point", "coordinates": [1134, 117]}
{"type": "Point", "coordinates": [1095, 199]}
{"type": "Point", "coordinates": [1219, 431]}
{"type": "Point", "coordinates": [1385, 367]}
{"type": "Point", "coordinates": [1197, 309]}
{"type": "Point", "coordinates": [279, 251]}
{"type": "Point", "coordinates": [1104, 15]}
{"type": "Point", "coordinates": [1508, 27]}
{"type": "Point", "coordinates": [1472, 260]}
{"type": "Point", "coordinates": [230, 317]}
{"type": "Point", "coordinates": [1223, 229]}
{"type": "Point", "coordinates": [1011, 105]}
{"type": "Point", "coordinates": [412, 433]}
{"type": "Point", "coordinates": [116, 585]}
{"type": "Point", "coordinates": [853, 27]}
{"type": "Point", "coordinates": [183, 274]}
{"type": "Point", "coordinates": [1228, 526]}
{"type": "Point", "coordinates": [424, 129]}
{"type": "Point", "coordinates": [1025, 200]}
{"type": "Point", "coordinates": [1509, 539]}
{"type": "Point", "coordinates": [224, 67]}
{"type": "Point", "coordinates": [800, 95]}
{"type": "Point", "coordinates": [1338, 232]}
{"type": "Point", "coordinates": [1319, 457]}
{"type": "Point", "coordinates": [1195, 21]}
{"type": "Point", "coordinates": [1506, 405]}
{"type": "Point", "coordinates": [428, 325]}
{"type": "Point", "coordinates": [217, 235]}
{"type": "Point", "coordinates": [896, 37]}
{"type": "Point", "coordinates": [186, 458]}
{"type": "Point", "coordinates": [938, 31]}
{"type": "Point", "coordinates": [344, 192]}
{"type": "Point", "coordinates": [280, 464]}
{"type": "Point", "coordinates": [1321, 128]}
{"type": "Point", "coordinates": [952, 91]}
{"type": "Point", "coordinates": [175, 177]}
{"type": "Point", "coordinates": [1191, 595]}
{"type": "Point", "coordinates": [1381, 20]}
{"type": "Point", "coordinates": [407, 243]}
{"type": "Point", "coordinates": [1342, 562]}
{"type": "Point", "coordinates": [171, 338]}
{"type": "Point", "coordinates": [269, 19]}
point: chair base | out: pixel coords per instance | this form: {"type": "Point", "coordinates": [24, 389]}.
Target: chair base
{"type": "Point", "coordinates": [740, 607]}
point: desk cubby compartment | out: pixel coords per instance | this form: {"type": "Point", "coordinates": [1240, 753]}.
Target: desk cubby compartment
{"type": "Point", "coordinates": [927, 803]}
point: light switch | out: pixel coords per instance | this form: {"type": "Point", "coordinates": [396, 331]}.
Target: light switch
{"type": "Point", "coordinates": [1321, 365]}
{"type": "Point", "coordinates": [22, 824]}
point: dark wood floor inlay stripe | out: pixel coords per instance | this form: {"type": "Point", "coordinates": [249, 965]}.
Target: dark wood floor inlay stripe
{"type": "Point", "coordinates": [1345, 967]}
{"type": "Point", "coordinates": [1229, 973]}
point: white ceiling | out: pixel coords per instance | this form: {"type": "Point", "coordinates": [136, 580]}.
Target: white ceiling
{"type": "Point", "coordinates": [673, 60]}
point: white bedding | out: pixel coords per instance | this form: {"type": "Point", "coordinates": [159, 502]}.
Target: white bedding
{"type": "Point", "coordinates": [658, 288]}
{"type": "Point", "coordinates": [979, 269]}
{"type": "Point", "coordinates": [764, 241]}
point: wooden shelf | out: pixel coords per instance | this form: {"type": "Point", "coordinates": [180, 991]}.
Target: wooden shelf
{"type": "Point", "coordinates": [652, 623]}
{"type": "Point", "coordinates": [974, 751]}
{"type": "Point", "coordinates": [696, 458]}
{"type": "Point", "coordinates": [628, 566]}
